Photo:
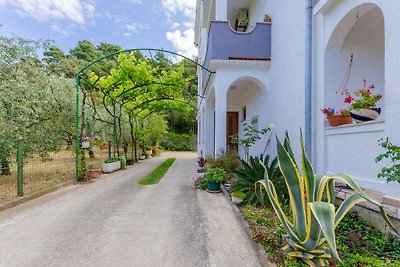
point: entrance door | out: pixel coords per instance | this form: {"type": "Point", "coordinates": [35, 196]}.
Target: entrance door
{"type": "Point", "coordinates": [232, 128]}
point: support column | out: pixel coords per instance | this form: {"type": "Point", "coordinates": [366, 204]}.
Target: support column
{"type": "Point", "coordinates": [220, 119]}
{"type": "Point", "coordinates": [221, 12]}
{"type": "Point", "coordinates": [209, 128]}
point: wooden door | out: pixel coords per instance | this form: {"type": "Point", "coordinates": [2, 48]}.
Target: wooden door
{"type": "Point", "coordinates": [232, 128]}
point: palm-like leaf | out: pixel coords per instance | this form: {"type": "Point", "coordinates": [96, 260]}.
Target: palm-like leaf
{"type": "Point", "coordinates": [251, 173]}
{"type": "Point", "coordinates": [311, 235]}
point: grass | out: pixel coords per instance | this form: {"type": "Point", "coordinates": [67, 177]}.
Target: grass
{"type": "Point", "coordinates": [155, 176]}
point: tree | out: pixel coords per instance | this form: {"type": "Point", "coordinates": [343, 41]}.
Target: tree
{"type": "Point", "coordinates": [53, 55]}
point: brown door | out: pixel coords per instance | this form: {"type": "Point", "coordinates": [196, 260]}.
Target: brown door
{"type": "Point", "coordinates": [232, 128]}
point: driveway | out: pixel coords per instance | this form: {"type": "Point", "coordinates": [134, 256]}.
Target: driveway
{"type": "Point", "coordinates": [117, 222]}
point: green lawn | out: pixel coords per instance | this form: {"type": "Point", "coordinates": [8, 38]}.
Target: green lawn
{"type": "Point", "coordinates": [155, 176]}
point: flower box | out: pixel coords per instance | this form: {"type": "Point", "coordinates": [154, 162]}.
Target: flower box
{"type": "Point", "coordinates": [111, 167]}
{"type": "Point", "coordinates": [336, 120]}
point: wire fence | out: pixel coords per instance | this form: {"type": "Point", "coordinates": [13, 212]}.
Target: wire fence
{"type": "Point", "coordinates": [38, 173]}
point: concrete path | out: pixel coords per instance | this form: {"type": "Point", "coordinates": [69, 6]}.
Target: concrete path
{"type": "Point", "coordinates": [117, 222]}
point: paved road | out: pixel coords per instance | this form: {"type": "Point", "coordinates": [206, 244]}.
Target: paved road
{"type": "Point", "coordinates": [117, 222]}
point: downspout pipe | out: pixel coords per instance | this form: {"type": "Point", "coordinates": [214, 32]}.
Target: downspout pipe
{"type": "Point", "coordinates": [308, 78]}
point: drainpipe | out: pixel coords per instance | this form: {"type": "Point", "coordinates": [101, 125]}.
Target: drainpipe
{"type": "Point", "coordinates": [308, 79]}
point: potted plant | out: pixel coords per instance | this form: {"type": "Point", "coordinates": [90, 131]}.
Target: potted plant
{"type": "Point", "coordinates": [267, 18]}
{"type": "Point", "coordinates": [365, 107]}
{"type": "Point", "coordinates": [337, 118]}
{"type": "Point", "coordinates": [201, 161]}
{"type": "Point", "coordinates": [92, 173]}
{"type": "Point", "coordinates": [111, 165]}
{"type": "Point", "coordinates": [148, 151]}
{"type": "Point", "coordinates": [215, 176]}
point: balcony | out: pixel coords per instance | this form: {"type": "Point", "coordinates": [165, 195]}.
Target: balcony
{"type": "Point", "coordinates": [226, 44]}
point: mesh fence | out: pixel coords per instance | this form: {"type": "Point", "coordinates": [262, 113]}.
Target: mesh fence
{"type": "Point", "coordinates": [43, 173]}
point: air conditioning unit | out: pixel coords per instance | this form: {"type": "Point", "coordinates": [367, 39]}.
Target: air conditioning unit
{"type": "Point", "coordinates": [242, 20]}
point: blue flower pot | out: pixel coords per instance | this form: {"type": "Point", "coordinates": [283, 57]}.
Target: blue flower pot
{"type": "Point", "coordinates": [213, 187]}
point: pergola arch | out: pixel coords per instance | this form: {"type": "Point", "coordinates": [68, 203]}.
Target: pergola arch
{"type": "Point", "coordinates": [83, 80]}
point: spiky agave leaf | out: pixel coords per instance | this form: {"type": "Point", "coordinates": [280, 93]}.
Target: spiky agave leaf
{"type": "Point", "coordinates": [311, 236]}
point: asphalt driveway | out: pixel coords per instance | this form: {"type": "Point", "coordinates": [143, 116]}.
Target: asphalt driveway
{"type": "Point", "coordinates": [117, 222]}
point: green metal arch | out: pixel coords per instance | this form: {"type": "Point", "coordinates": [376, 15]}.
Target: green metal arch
{"type": "Point", "coordinates": [77, 84]}
{"type": "Point", "coordinates": [141, 49]}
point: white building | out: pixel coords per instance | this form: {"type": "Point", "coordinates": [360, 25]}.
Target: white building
{"type": "Point", "coordinates": [259, 77]}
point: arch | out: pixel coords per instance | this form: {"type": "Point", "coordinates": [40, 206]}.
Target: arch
{"type": "Point", "coordinates": [120, 94]}
{"type": "Point", "coordinates": [246, 96]}
{"type": "Point", "coordinates": [353, 35]}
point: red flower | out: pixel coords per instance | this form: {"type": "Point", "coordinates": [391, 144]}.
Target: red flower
{"type": "Point", "coordinates": [348, 99]}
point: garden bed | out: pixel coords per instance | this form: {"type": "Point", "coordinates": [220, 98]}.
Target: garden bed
{"type": "Point", "coordinates": [358, 242]}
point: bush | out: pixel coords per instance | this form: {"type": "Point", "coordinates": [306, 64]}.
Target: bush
{"type": "Point", "coordinates": [228, 161]}
{"type": "Point", "coordinates": [178, 142]}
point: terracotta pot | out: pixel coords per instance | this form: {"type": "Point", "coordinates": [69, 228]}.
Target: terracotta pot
{"type": "Point", "coordinates": [337, 120]}
{"type": "Point", "coordinates": [268, 20]}
{"type": "Point", "coordinates": [93, 174]}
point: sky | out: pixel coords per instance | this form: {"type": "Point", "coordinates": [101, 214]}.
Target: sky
{"type": "Point", "coordinates": [167, 24]}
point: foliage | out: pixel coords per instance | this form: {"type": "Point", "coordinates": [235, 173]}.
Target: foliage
{"type": "Point", "coordinates": [155, 128]}
{"type": "Point", "coordinates": [392, 152]}
{"type": "Point", "coordinates": [155, 176]}
{"type": "Point", "coordinates": [357, 237]}
{"type": "Point", "coordinates": [368, 100]}
{"type": "Point", "coordinates": [123, 162]}
{"type": "Point", "coordinates": [178, 142]}
{"type": "Point", "coordinates": [200, 182]}
{"type": "Point", "coordinates": [34, 106]}
{"type": "Point", "coordinates": [216, 175]}
{"type": "Point", "coordinates": [111, 160]}
{"type": "Point", "coordinates": [252, 172]}
{"type": "Point", "coordinates": [361, 244]}
{"type": "Point", "coordinates": [251, 136]}
{"type": "Point", "coordinates": [310, 232]}
{"type": "Point", "coordinates": [228, 161]}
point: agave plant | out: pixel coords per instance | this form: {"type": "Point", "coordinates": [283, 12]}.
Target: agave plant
{"type": "Point", "coordinates": [251, 172]}
{"type": "Point", "coordinates": [310, 233]}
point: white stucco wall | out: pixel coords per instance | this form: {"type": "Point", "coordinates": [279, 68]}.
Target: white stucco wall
{"type": "Point", "coordinates": [374, 40]}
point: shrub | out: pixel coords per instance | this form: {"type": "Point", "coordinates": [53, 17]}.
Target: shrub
{"type": "Point", "coordinates": [178, 142]}
{"type": "Point", "coordinates": [228, 161]}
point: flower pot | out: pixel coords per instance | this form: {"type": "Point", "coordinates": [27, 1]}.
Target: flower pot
{"type": "Point", "coordinates": [267, 20]}
{"type": "Point", "coordinates": [213, 187]}
{"type": "Point", "coordinates": [111, 167]}
{"type": "Point", "coordinates": [85, 144]}
{"type": "Point", "coordinates": [337, 120]}
{"type": "Point", "coordinates": [92, 174]}
{"type": "Point", "coordinates": [148, 153]}
{"type": "Point", "coordinates": [142, 157]}
{"type": "Point", "coordinates": [201, 164]}
{"type": "Point", "coordinates": [365, 114]}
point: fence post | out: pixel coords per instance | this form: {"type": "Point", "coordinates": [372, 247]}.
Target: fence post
{"type": "Point", "coordinates": [20, 163]}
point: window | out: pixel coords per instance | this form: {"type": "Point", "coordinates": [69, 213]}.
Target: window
{"type": "Point", "coordinates": [244, 113]}
{"type": "Point", "coordinates": [254, 122]}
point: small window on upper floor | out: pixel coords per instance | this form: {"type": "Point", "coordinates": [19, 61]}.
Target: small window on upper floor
{"type": "Point", "coordinates": [244, 113]}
